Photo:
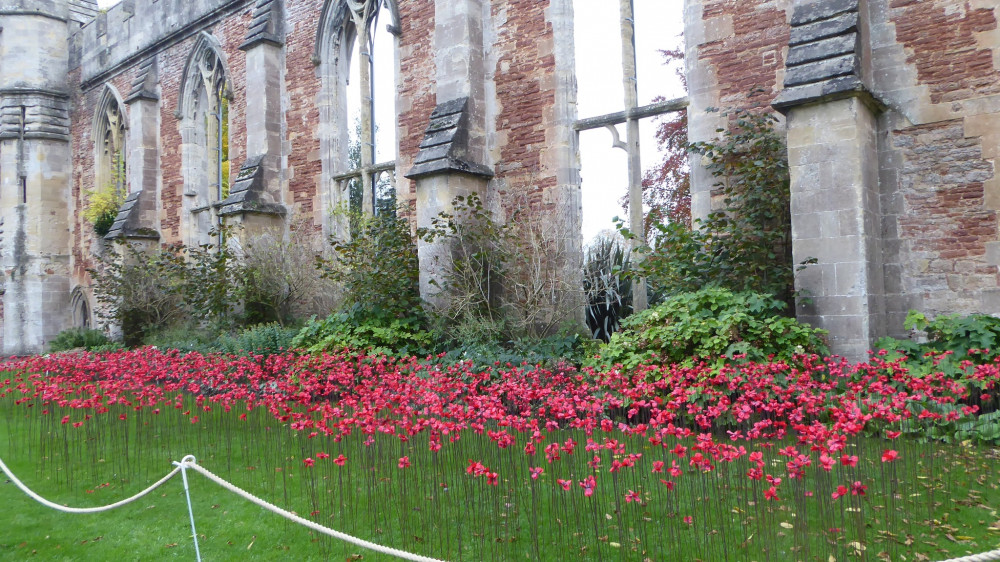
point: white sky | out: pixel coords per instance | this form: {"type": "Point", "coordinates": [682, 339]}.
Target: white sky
{"type": "Point", "coordinates": [659, 24]}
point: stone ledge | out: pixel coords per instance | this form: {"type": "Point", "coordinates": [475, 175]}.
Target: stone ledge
{"type": "Point", "coordinates": [822, 70]}
{"type": "Point", "coordinates": [816, 10]}
{"type": "Point", "coordinates": [446, 143]}
{"type": "Point", "coordinates": [816, 31]}
{"type": "Point", "coordinates": [830, 90]}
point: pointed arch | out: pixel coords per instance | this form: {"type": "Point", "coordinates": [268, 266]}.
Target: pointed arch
{"type": "Point", "coordinates": [81, 309]}
{"type": "Point", "coordinates": [349, 179]}
{"type": "Point", "coordinates": [206, 60]}
{"type": "Point", "coordinates": [110, 136]}
{"type": "Point", "coordinates": [203, 110]}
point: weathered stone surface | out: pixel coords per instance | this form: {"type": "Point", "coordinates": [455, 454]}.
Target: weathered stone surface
{"type": "Point", "coordinates": [823, 49]}
{"type": "Point", "coordinates": [809, 11]}
{"type": "Point", "coordinates": [807, 33]}
{"type": "Point", "coordinates": [822, 70]}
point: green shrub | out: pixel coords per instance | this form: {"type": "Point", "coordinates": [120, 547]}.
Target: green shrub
{"type": "Point", "coordinates": [360, 330]}
{"type": "Point", "coordinates": [377, 267]}
{"type": "Point", "coordinates": [263, 339]}
{"type": "Point", "coordinates": [76, 338]}
{"type": "Point", "coordinates": [182, 337]}
{"type": "Point", "coordinates": [712, 323]}
{"type": "Point", "coordinates": [745, 245]}
{"type": "Point", "coordinates": [950, 333]}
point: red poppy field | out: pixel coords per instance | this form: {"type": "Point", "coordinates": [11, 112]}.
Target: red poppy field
{"type": "Point", "coordinates": [816, 460]}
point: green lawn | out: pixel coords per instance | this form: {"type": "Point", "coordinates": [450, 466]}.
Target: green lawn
{"type": "Point", "coordinates": [933, 503]}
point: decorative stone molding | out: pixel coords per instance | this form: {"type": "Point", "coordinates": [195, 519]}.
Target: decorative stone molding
{"type": "Point", "coordinates": [128, 222]}
{"type": "Point", "coordinates": [445, 147]}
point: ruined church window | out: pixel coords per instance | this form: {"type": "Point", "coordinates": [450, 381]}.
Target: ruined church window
{"type": "Point", "coordinates": [205, 138]}
{"type": "Point", "coordinates": [357, 53]}
{"type": "Point", "coordinates": [110, 187]}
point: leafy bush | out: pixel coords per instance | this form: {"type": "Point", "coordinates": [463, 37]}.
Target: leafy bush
{"type": "Point", "coordinates": [140, 289]}
{"type": "Point", "coordinates": [711, 323]}
{"type": "Point", "coordinates": [76, 338]}
{"type": "Point", "coordinates": [360, 330]}
{"type": "Point", "coordinates": [744, 246]}
{"type": "Point", "coordinates": [562, 349]}
{"type": "Point", "coordinates": [377, 267]}
{"type": "Point", "coordinates": [280, 282]}
{"type": "Point", "coordinates": [103, 202]}
{"type": "Point", "coordinates": [975, 337]}
{"type": "Point", "coordinates": [263, 339]}
{"type": "Point", "coordinates": [183, 337]}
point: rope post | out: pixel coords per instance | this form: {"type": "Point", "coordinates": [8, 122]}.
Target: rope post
{"type": "Point", "coordinates": [187, 492]}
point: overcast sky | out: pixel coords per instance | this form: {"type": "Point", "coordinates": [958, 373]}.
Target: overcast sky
{"type": "Point", "coordinates": [659, 24]}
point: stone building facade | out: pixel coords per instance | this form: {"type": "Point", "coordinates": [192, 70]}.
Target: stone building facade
{"type": "Point", "coordinates": [236, 111]}
{"type": "Point", "coordinates": [892, 115]}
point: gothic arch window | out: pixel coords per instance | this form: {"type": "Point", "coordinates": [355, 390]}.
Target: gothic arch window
{"type": "Point", "coordinates": [81, 309]}
{"type": "Point", "coordinates": [357, 50]}
{"type": "Point", "coordinates": [110, 158]}
{"type": "Point", "coordinates": [204, 115]}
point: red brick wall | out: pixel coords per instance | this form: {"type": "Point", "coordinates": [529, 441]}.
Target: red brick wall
{"type": "Point", "coordinates": [750, 58]}
{"type": "Point", "coordinates": [526, 95]}
{"type": "Point", "coordinates": [303, 86]}
{"type": "Point", "coordinates": [944, 223]}
{"type": "Point", "coordinates": [417, 89]}
{"type": "Point", "coordinates": [943, 48]}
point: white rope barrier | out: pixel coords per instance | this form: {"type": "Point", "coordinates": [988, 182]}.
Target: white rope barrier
{"type": "Point", "coordinates": [990, 556]}
{"type": "Point", "coordinates": [66, 509]}
{"type": "Point", "coordinates": [307, 523]}
{"type": "Point", "coordinates": [189, 462]}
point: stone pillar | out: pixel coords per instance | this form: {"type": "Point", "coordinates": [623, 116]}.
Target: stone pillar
{"type": "Point", "coordinates": [452, 158]}
{"type": "Point", "coordinates": [255, 196]}
{"type": "Point", "coordinates": [35, 173]}
{"type": "Point", "coordinates": [833, 158]}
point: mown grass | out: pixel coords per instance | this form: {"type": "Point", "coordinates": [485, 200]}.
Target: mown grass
{"type": "Point", "coordinates": [933, 503]}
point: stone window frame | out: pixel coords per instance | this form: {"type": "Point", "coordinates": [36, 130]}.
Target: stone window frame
{"type": "Point", "coordinates": [110, 139]}
{"type": "Point", "coordinates": [83, 313]}
{"type": "Point", "coordinates": [335, 47]}
{"type": "Point", "coordinates": [205, 95]}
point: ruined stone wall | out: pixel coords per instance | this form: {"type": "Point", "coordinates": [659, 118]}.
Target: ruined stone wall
{"type": "Point", "coordinates": [929, 68]}
{"type": "Point", "coordinates": [735, 59]}
{"type": "Point", "coordinates": [935, 67]}
{"type": "Point", "coordinates": [526, 80]}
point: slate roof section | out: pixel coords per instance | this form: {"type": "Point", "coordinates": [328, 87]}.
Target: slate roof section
{"type": "Point", "coordinates": [266, 25]}
{"type": "Point", "coordinates": [824, 55]}
{"type": "Point", "coordinates": [127, 222]}
{"type": "Point", "coordinates": [247, 192]}
{"type": "Point", "coordinates": [445, 147]}
{"type": "Point", "coordinates": [144, 83]}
